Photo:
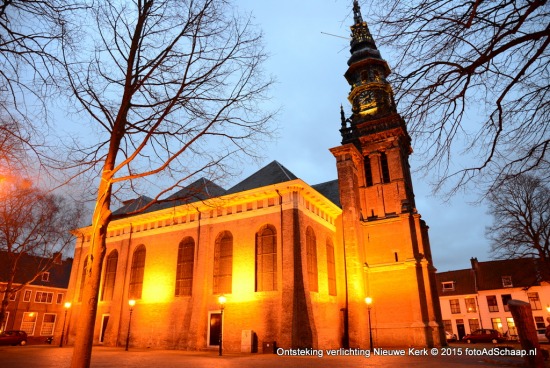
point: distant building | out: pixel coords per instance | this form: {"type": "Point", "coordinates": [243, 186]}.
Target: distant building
{"type": "Point", "coordinates": [294, 261]}
{"type": "Point", "coordinates": [477, 297]}
{"type": "Point", "coordinates": [37, 308]}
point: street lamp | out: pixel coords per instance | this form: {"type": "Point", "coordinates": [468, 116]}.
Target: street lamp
{"type": "Point", "coordinates": [548, 308]}
{"type": "Point", "coordinates": [221, 300]}
{"type": "Point", "coordinates": [67, 306]}
{"type": "Point", "coordinates": [368, 300]}
{"type": "Point", "coordinates": [131, 303]}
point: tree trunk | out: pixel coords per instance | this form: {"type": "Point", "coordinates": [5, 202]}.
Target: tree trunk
{"type": "Point", "coordinates": [86, 320]}
{"type": "Point", "coordinates": [523, 318]}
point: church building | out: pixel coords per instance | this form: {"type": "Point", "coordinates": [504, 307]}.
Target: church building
{"type": "Point", "coordinates": [346, 263]}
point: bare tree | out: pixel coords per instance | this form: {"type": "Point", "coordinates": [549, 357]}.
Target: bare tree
{"type": "Point", "coordinates": [521, 219]}
{"type": "Point", "coordinates": [175, 87]}
{"type": "Point", "coordinates": [31, 32]}
{"type": "Point", "coordinates": [33, 223]}
{"type": "Point", "coordinates": [473, 81]}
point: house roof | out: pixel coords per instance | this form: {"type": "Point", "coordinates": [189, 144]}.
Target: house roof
{"type": "Point", "coordinates": [523, 272]}
{"type": "Point", "coordinates": [464, 282]}
{"type": "Point", "coordinates": [29, 266]}
{"type": "Point", "coordinates": [331, 190]}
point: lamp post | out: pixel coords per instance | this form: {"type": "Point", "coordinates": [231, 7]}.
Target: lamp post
{"type": "Point", "coordinates": [67, 306]}
{"type": "Point", "coordinates": [131, 303]}
{"type": "Point", "coordinates": [368, 300]}
{"type": "Point", "coordinates": [221, 300]}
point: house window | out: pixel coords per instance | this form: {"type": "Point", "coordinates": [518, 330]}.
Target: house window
{"type": "Point", "coordinates": [184, 269]}
{"type": "Point", "coordinates": [507, 281]}
{"type": "Point", "coordinates": [109, 276]}
{"type": "Point", "coordinates": [447, 325]}
{"type": "Point", "coordinates": [311, 253]}
{"type": "Point", "coordinates": [28, 322]}
{"type": "Point", "coordinates": [27, 296]}
{"type": "Point", "coordinates": [512, 331]}
{"type": "Point", "coordinates": [59, 298]}
{"type": "Point", "coordinates": [492, 303]}
{"type": "Point", "coordinates": [455, 306]}
{"type": "Point", "coordinates": [497, 324]}
{"type": "Point", "coordinates": [331, 268]}
{"type": "Point", "coordinates": [223, 263]}
{"type": "Point", "coordinates": [534, 301]}
{"type": "Point", "coordinates": [505, 299]}
{"type": "Point", "coordinates": [83, 279]}
{"type": "Point", "coordinates": [368, 172]}
{"type": "Point", "coordinates": [266, 259]}
{"type": "Point", "coordinates": [46, 276]}
{"type": "Point", "coordinates": [539, 322]}
{"type": "Point", "coordinates": [385, 168]}
{"type": "Point", "coordinates": [448, 285]}
{"type": "Point", "coordinates": [13, 296]}
{"type": "Point", "coordinates": [136, 274]}
{"type": "Point", "coordinates": [470, 305]}
{"type": "Point", "coordinates": [474, 324]}
{"type": "Point", "coordinates": [48, 324]}
{"type": "Point", "coordinates": [43, 297]}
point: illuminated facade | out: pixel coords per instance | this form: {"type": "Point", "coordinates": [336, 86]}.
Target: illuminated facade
{"type": "Point", "coordinates": [295, 262]}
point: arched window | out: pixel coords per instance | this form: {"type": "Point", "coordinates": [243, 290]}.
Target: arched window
{"type": "Point", "coordinates": [184, 271]}
{"type": "Point", "coordinates": [136, 273]}
{"type": "Point", "coordinates": [223, 263]}
{"type": "Point", "coordinates": [83, 279]}
{"type": "Point", "coordinates": [331, 268]}
{"type": "Point", "coordinates": [266, 259]}
{"type": "Point", "coordinates": [109, 276]}
{"type": "Point", "coordinates": [311, 251]}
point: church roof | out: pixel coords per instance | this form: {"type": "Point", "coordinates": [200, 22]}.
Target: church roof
{"type": "Point", "coordinates": [202, 189]}
{"type": "Point", "coordinates": [273, 173]}
{"type": "Point", "coordinates": [329, 189]}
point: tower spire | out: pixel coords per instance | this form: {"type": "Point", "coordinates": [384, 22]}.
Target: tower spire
{"type": "Point", "coordinates": [362, 44]}
{"type": "Point", "coordinates": [357, 13]}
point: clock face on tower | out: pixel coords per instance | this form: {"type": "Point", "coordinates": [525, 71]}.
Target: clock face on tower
{"type": "Point", "coordinates": [365, 98]}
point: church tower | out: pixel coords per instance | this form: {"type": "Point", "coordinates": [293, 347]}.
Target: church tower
{"type": "Point", "coordinates": [388, 256]}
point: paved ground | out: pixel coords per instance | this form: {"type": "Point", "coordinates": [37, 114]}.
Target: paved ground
{"type": "Point", "coordinates": [48, 356]}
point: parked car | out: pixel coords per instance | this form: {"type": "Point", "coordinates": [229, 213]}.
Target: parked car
{"type": "Point", "coordinates": [13, 338]}
{"type": "Point", "coordinates": [450, 336]}
{"type": "Point", "coordinates": [484, 335]}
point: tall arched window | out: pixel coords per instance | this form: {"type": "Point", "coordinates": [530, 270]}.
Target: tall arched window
{"type": "Point", "coordinates": [184, 271]}
{"type": "Point", "coordinates": [331, 268]}
{"type": "Point", "coordinates": [83, 279]}
{"type": "Point", "coordinates": [109, 276]}
{"type": "Point", "coordinates": [136, 273]}
{"type": "Point", "coordinates": [311, 251]}
{"type": "Point", "coordinates": [266, 259]}
{"type": "Point", "coordinates": [223, 263]}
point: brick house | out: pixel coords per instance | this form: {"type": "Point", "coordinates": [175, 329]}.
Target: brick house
{"type": "Point", "coordinates": [38, 307]}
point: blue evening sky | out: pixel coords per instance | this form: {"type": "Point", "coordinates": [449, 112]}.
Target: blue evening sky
{"type": "Point", "coordinates": [309, 68]}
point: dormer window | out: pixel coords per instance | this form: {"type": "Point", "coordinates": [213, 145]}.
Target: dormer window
{"type": "Point", "coordinates": [46, 276]}
{"type": "Point", "coordinates": [507, 281]}
{"type": "Point", "coordinates": [448, 285]}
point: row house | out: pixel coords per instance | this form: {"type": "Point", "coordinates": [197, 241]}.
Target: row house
{"type": "Point", "coordinates": [477, 297]}
{"type": "Point", "coordinates": [38, 307]}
